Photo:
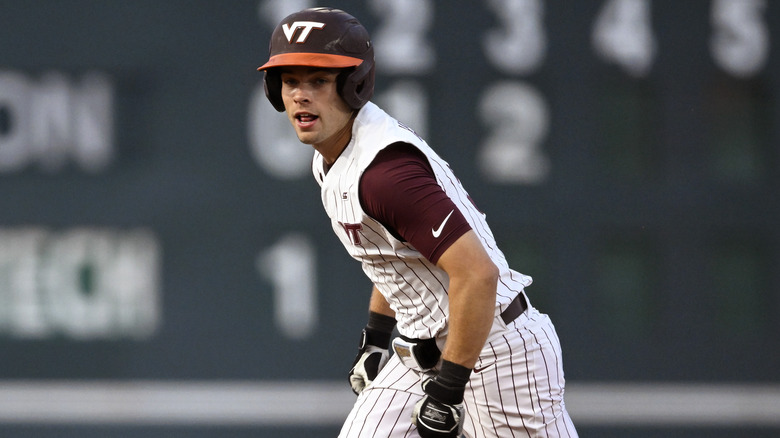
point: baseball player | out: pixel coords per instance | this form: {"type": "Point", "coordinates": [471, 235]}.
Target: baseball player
{"type": "Point", "coordinates": [473, 358]}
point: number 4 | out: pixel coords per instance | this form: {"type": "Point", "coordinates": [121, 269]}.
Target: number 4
{"type": "Point", "coordinates": [740, 38]}
{"type": "Point", "coordinates": [623, 34]}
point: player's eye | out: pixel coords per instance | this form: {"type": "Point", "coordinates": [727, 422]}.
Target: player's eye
{"type": "Point", "coordinates": [289, 81]}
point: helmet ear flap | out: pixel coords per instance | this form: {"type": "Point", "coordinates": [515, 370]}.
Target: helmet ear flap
{"type": "Point", "coordinates": [356, 85]}
{"type": "Point", "coordinates": [272, 83]}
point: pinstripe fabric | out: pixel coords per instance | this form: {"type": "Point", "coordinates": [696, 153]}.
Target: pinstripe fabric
{"type": "Point", "coordinates": [517, 386]}
{"type": "Point", "coordinates": [384, 409]}
{"type": "Point", "coordinates": [415, 288]}
{"type": "Point", "coordinates": [516, 389]}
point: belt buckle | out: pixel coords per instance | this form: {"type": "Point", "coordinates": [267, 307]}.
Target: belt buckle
{"type": "Point", "coordinates": [405, 352]}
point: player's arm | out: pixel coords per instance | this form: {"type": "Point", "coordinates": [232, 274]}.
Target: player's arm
{"type": "Point", "coordinates": [378, 304]}
{"type": "Point", "coordinates": [472, 294]}
{"type": "Point", "coordinates": [400, 190]}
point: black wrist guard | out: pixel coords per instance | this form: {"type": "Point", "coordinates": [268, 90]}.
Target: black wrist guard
{"type": "Point", "coordinates": [378, 331]}
{"type": "Point", "coordinates": [450, 384]}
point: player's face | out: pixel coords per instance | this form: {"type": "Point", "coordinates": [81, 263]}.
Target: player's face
{"type": "Point", "coordinates": [318, 114]}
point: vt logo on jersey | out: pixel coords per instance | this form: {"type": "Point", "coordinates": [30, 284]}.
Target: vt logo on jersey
{"type": "Point", "coordinates": [353, 231]}
{"type": "Point", "coordinates": [307, 26]}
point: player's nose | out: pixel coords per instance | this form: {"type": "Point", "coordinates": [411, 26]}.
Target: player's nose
{"type": "Point", "coordinates": [301, 95]}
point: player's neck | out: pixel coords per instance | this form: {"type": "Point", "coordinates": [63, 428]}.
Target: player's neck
{"type": "Point", "coordinates": [333, 146]}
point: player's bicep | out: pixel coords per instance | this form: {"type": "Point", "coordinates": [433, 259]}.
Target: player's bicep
{"type": "Point", "coordinates": [400, 191]}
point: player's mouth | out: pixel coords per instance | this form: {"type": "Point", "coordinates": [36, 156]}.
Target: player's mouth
{"type": "Point", "coordinates": [306, 120]}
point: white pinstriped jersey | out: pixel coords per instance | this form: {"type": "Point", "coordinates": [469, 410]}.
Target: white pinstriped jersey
{"type": "Point", "coordinates": [415, 288]}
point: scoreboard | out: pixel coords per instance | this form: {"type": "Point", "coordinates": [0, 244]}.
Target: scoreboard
{"type": "Point", "coordinates": [158, 219]}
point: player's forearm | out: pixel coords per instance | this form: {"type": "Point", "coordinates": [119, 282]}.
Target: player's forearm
{"type": "Point", "coordinates": [379, 304]}
{"type": "Point", "coordinates": [472, 294]}
{"type": "Point", "coordinates": [472, 311]}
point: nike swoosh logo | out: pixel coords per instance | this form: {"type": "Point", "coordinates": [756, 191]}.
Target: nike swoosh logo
{"type": "Point", "coordinates": [437, 232]}
{"type": "Point", "coordinates": [480, 369]}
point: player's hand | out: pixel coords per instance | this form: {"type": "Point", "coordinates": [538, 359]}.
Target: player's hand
{"type": "Point", "coordinates": [440, 412]}
{"type": "Point", "coordinates": [369, 361]}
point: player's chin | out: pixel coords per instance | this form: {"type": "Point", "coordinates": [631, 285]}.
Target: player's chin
{"type": "Point", "coordinates": [306, 137]}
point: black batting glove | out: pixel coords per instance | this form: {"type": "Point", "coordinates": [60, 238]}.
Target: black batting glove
{"type": "Point", "coordinates": [373, 352]}
{"type": "Point", "coordinates": [440, 412]}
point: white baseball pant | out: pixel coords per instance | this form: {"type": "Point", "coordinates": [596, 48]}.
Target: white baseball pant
{"type": "Point", "coordinates": [516, 389]}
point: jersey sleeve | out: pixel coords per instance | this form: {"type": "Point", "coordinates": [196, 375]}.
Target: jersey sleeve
{"type": "Point", "coordinates": [400, 191]}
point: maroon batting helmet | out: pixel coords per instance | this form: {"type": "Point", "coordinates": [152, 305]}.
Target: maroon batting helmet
{"type": "Point", "coordinates": [327, 38]}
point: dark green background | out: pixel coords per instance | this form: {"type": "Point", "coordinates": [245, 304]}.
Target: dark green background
{"type": "Point", "coordinates": [657, 257]}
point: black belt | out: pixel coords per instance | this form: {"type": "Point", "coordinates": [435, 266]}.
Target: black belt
{"type": "Point", "coordinates": [515, 309]}
{"type": "Point", "coordinates": [426, 352]}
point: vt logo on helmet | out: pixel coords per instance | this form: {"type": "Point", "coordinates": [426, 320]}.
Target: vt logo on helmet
{"type": "Point", "coordinates": [307, 26]}
{"type": "Point", "coordinates": [326, 38]}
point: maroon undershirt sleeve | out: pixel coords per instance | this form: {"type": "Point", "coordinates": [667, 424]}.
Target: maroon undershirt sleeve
{"type": "Point", "coordinates": [399, 190]}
